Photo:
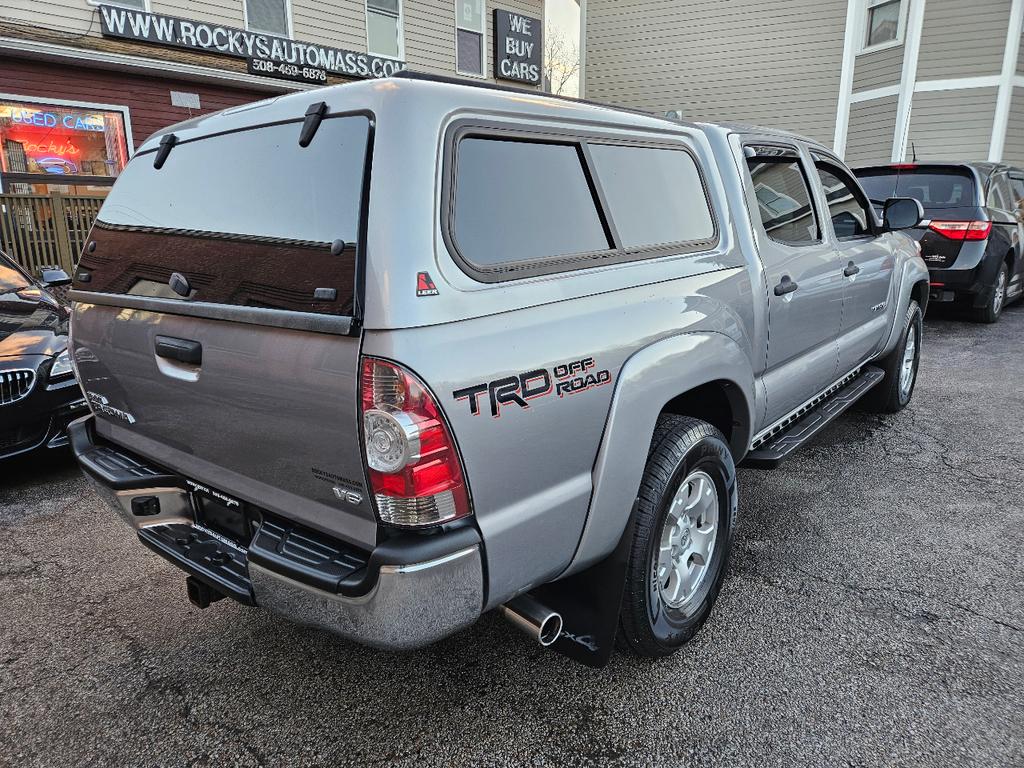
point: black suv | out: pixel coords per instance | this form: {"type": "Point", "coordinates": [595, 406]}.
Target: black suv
{"type": "Point", "coordinates": [971, 238]}
{"type": "Point", "coordinates": [38, 391]}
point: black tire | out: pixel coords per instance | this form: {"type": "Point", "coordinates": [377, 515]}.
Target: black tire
{"type": "Point", "coordinates": [681, 446]}
{"type": "Point", "coordinates": [888, 396]}
{"type": "Point", "coordinates": [993, 308]}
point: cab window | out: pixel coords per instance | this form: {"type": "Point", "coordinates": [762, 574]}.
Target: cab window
{"type": "Point", "coordinates": [847, 207]}
{"type": "Point", "coordinates": [783, 195]}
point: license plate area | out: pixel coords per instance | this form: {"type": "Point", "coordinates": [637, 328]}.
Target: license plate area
{"type": "Point", "coordinates": [224, 515]}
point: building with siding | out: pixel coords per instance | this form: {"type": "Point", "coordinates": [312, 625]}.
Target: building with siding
{"type": "Point", "coordinates": [84, 82]}
{"type": "Point", "coordinates": [878, 80]}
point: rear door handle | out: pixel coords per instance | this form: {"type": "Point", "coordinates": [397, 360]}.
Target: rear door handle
{"type": "Point", "coordinates": [182, 350]}
{"type": "Point", "coordinates": [786, 285]}
{"type": "Point", "coordinates": [851, 270]}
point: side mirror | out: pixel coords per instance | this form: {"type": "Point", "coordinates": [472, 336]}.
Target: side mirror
{"type": "Point", "coordinates": [53, 277]}
{"type": "Point", "coordinates": [902, 213]}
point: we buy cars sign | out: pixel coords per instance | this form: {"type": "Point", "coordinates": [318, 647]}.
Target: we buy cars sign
{"type": "Point", "coordinates": [518, 47]}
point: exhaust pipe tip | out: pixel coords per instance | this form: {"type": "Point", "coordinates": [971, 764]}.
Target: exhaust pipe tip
{"type": "Point", "coordinates": [533, 618]}
{"type": "Point", "coordinates": [550, 630]}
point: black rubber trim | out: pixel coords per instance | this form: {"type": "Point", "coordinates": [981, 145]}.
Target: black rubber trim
{"type": "Point", "coordinates": [779, 447]}
{"type": "Point", "coordinates": [320, 562]}
{"type": "Point", "coordinates": [202, 555]}
{"type": "Point", "coordinates": [115, 467]}
{"type": "Point", "coordinates": [410, 549]}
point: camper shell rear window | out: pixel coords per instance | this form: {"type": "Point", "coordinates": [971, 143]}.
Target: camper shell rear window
{"type": "Point", "coordinates": [248, 217]}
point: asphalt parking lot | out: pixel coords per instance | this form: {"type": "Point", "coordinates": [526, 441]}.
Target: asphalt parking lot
{"type": "Point", "coordinates": [874, 615]}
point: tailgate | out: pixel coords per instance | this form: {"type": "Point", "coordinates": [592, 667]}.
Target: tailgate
{"type": "Point", "coordinates": [243, 375]}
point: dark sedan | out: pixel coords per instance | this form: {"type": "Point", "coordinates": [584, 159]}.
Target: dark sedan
{"type": "Point", "coordinates": [38, 391]}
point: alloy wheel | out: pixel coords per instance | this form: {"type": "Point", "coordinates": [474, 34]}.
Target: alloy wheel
{"type": "Point", "coordinates": [687, 542]}
{"type": "Point", "coordinates": [908, 364]}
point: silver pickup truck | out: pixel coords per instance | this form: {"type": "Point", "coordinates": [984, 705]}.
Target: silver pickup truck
{"type": "Point", "coordinates": [385, 356]}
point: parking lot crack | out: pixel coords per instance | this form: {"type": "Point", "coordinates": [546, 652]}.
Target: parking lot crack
{"type": "Point", "coordinates": [920, 594]}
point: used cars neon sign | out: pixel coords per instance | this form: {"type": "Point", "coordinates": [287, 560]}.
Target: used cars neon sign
{"type": "Point", "coordinates": [41, 119]}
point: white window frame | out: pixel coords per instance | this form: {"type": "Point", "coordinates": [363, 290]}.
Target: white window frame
{"type": "Point", "coordinates": [482, 75]}
{"type": "Point", "coordinates": [901, 26]}
{"type": "Point", "coordinates": [401, 32]}
{"type": "Point", "coordinates": [287, 16]}
{"type": "Point", "coordinates": [121, 4]}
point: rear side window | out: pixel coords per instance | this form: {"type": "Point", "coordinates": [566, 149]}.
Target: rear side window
{"type": "Point", "coordinates": [655, 196]}
{"type": "Point", "coordinates": [517, 205]}
{"type": "Point", "coordinates": [523, 201]}
{"type": "Point", "coordinates": [934, 189]}
{"type": "Point", "coordinates": [248, 217]}
{"type": "Point", "coordinates": [783, 199]}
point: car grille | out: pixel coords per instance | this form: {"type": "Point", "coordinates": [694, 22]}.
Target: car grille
{"type": "Point", "coordinates": [14, 385]}
{"type": "Point", "coordinates": [12, 440]}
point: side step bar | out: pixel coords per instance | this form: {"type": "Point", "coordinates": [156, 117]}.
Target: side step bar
{"type": "Point", "coordinates": [780, 446]}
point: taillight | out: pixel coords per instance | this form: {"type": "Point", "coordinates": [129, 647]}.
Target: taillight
{"type": "Point", "coordinates": [962, 230]}
{"type": "Point", "coordinates": [414, 466]}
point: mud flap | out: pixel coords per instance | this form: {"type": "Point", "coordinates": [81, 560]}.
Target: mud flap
{"type": "Point", "coordinates": [589, 602]}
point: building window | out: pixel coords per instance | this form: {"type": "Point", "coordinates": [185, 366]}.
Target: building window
{"type": "Point", "coordinates": [384, 28]}
{"type": "Point", "coordinates": [469, 37]}
{"type": "Point", "coordinates": [885, 23]}
{"type": "Point", "coordinates": [75, 149]}
{"type": "Point", "coordinates": [269, 16]}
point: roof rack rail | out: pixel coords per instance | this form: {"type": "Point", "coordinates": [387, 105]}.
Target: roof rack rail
{"type": "Point", "coordinates": [407, 74]}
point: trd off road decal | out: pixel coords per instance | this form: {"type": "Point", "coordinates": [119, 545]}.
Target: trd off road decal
{"type": "Point", "coordinates": [565, 379]}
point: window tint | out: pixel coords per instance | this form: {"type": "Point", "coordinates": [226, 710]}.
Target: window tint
{"type": "Point", "coordinates": [247, 217]}
{"type": "Point", "coordinates": [999, 193]}
{"type": "Point", "coordinates": [883, 22]}
{"type": "Point", "coordinates": [1017, 192]}
{"type": "Point", "coordinates": [655, 196]}
{"type": "Point", "coordinates": [783, 199]}
{"type": "Point", "coordinates": [257, 182]}
{"type": "Point", "coordinates": [267, 16]}
{"type": "Point", "coordinates": [523, 201]}
{"type": "Point", "coordinates": [934, 189]}
{"type": "Point", "coordinates": [846, 206]}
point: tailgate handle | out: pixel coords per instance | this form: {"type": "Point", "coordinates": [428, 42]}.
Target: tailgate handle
{"type": "Point", "coordinates": [182, 350]}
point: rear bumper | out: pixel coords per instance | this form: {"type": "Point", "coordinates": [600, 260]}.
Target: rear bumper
{"type": "Point", "coordinates": [970, 278]}
{"type": "Point", "coordinates": [409, 592]}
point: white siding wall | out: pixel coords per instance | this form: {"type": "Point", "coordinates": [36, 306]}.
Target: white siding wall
{"type": "Point", "coordinates": [775, 62]}
{"type": "Point", "coordinates": [953, 125]}
{"type": "Point", "coordinates": [872, 124]}
{"type": "Point", "coordinates": [877, 69]}
{"type": "Point", "coordinates": [963, 39]}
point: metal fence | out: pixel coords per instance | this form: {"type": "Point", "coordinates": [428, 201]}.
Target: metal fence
{"type": "Point", "coordinates": [39, 230]}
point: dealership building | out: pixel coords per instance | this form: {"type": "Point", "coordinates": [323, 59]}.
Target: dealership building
{"type": "Point", "coordinates": [83, 83]}
{"type": "Point", "coordinates": [878, 80]}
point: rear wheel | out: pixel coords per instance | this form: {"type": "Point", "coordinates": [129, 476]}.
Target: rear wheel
{"type": "Point", "coordinates": [894, 391]}
{"type": "Point", "coordinates": [994, 306]}
{"type": "Point", "coordinates": [684, 527]}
